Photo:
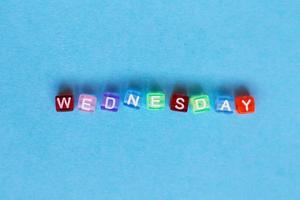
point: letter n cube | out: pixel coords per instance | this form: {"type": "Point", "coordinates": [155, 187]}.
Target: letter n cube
{"type": "Point", "coordinates": [133, 99]}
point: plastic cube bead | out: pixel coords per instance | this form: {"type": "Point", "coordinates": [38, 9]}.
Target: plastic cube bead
{"type": "Point", "coordinates": [110, 102]}
{"type": "Point", "coordinates": [87, 103]}
{"type": "Point", "coordinates": [200, 103]}
{"type": "Point", "coordinates": [224, 104]}
{"type": "Point", "coordinates": [156, 101]}
{"type": "Point", "coordinates": [245, 104]}
{"type": "Point", "coordinates": [64, 103]}
{"type": "Point", "coordinates": [179, 102]}
{"type": "Point", "coordinates": [132, 99]}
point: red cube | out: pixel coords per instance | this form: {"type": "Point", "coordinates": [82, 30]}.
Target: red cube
{"type": "Point", "coordinates": [179, 102]}
{"type": "Point", "coordinates": [245, 104]}
{"type": "Point", "coordinates": [64, 103]}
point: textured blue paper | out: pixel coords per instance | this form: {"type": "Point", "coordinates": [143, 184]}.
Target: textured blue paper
{"type": "Point", "coordinates": [139, 154]}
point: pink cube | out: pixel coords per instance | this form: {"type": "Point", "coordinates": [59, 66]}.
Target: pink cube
{"type": "Point", "coordinates": [87, 103]}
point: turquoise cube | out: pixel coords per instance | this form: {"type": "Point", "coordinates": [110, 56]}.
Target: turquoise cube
{"type": "Point", "coordinates": [200, 103]}
{"type": "Point", "coordinates": [224, 104]}
{"type": "Point", "coordinates": [156, 101]}
{"type": "Point", "coordinates": [133, 99]}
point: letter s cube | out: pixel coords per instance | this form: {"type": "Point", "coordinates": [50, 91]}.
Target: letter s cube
{"type": "Point", "coordinates": [179, 102]}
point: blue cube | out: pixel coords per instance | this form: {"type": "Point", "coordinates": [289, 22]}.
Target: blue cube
{"type": "Point", "coordinates": [110, 102]}
{"type": "Point", "coordinates": [225, 104]}
{"type": "Point", "coordinates": [133, 99]}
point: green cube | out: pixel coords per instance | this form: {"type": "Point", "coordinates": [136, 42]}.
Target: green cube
{"type": "Point", "coordinates": [200, 103]}
{"type": "Point", "coordinates": [156, 101]}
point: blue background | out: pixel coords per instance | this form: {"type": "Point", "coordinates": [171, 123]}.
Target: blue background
{"type": "Point", "coordinates": [144, 154]}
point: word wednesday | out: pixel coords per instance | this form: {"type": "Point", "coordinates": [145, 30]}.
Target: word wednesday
{"type": "Point", "coordinates": [156, 101]}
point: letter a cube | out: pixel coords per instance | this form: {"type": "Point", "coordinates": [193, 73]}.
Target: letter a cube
{"type": "Point", "coordinates": [245, 104]}
{"type": "Point", "coordinates": [224, 104]}
{"type": "Point", "coordinates": [64, 103]}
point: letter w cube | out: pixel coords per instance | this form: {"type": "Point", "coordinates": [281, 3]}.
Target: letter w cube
{"type": "Point", "coordinates": [64, 103]}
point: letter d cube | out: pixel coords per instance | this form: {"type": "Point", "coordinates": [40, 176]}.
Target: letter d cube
{"type": "Point", "coordinates": [110, 102]}
{"type": "Point", "coordinates": [200, 103]}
